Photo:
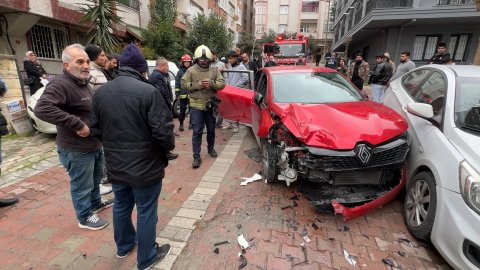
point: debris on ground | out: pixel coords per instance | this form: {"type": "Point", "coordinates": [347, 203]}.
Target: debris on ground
{"type": "Point", "coordinates": [221, 243]}
{"type": "Point", "coordinates": [242, 242]}
{"type": "Point", "coordinates": [317, 219]}
{"type": "Point", "coordinates": [366, 236]}
{"type": "Point", "coordinates": [239, 226]}
{"type": "Point", "coordinates": [84, 256]}
{"type": "Point", "coordinates": [294, 198]}
{"type": "Point", "coordinates": [346, 228]}
{"type": "Point", "coordinates": [331, 239]}
{"type": "Point", "coordinates": [292, 223]}
{"type": "Point", "coordinates": [407, 241]}
{"type": "Point", "coordinates": [251, 245]}
{"type": "Point", "coordinates": [254, 154]}
{"type": "Point", "coordinates": [243, 260]}
{"type": "Point", "coordinates": [349, 259]}
{"type": "Point", "coordinates": [290, 258]}
{"type": "Point", "coordinates": [250, 239]}
{"type": "Point", "coordinates": [306, 239]}
{"type": "Point", "coordinates": [304, 232]}
{"type": "Point", "coordinates": [314, 226]}
{"type": "Point", "coordinates": [401, 253]}
{"type": "Point", "coordinates": [389, 262]}
{"type": "Point", "coordinates": [217, 251]}
{"type": "Point", "coordinates": [179, 189]}
{"type": "Point", "coordinates": [254, 178]}
{"type": "Point", "coordinates": [304, 253]}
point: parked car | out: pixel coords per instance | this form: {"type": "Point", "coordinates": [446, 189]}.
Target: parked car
{"type": "Point", "coordinates": [313, 124]}
{"type": "Point", "coordinates": [38, 124]}
{"type": "Point", "coordinates": [172, 73]}
{"type": "Point", "coordinates": [442, 202]}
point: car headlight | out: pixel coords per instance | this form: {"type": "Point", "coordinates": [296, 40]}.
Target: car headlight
{"type": "Point", "coordinates": [470, 185]}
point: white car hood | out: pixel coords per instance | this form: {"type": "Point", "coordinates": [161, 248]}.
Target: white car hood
{"type": "Point", "coordinates": [468, 145]}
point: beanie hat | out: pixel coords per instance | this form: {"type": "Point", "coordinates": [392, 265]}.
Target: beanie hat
{"type": "Point", "coordinates": [133, 57]}
{"type": "Point", "coordinates": [93, 51]}
{"type": "Point", "coordinates": [387, 55]}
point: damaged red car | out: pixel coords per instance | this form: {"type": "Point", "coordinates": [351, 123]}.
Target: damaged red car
{"type": "Point", "coordinates": [314, 126]}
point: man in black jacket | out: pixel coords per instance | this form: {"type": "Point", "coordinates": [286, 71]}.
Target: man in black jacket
{"type": "Point", "coordinates": [160, 78]}
{"type": "Point", "coordinates": [441, 54]}
{"type": "Point", "coordinates": [318, 57]}
{"type": "Point", "coordinates": [249, 65]}
{"type": "Point", "coordinates": [180, 93]}
{"type": "Point", "coordinates": [131, 117]}
{"type": "Point", "coordinates": [271, 62]}
{"type": "Point", "coordinates": [380, 78]}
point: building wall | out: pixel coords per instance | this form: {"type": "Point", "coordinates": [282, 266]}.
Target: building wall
{"type": "Point", "coordinates": [129, 15]}
{"type": "Point", "coordinates": [8, 72]}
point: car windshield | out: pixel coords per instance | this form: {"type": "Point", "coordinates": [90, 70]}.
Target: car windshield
{"type": "Point", "coordinates": [467, 104]}
{"type": "Point", "coordinates": [313, 88]}
{"type": "Point", "coordinates": [289, 50]}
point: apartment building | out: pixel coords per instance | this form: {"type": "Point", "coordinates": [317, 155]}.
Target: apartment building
{"type": "Point", "coordinates": [308, 17]}
{"type": "Point", "coordinates": [417, 26]}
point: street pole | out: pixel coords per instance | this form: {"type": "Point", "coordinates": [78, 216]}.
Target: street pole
{"type": "Point", "coordinates": [326, 33]}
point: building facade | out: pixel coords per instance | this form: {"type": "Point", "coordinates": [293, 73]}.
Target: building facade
{"type": "Point", "coordinates": [308, 17]}
{"type": "Point", "coordinates": [417, 26]}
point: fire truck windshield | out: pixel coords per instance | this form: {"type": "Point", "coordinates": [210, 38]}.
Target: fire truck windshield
{"type": "Point", "coordinates": [289, 50]}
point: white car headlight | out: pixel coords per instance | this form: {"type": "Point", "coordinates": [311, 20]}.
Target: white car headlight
{"type": "Point", "coordinates": [470, 185]}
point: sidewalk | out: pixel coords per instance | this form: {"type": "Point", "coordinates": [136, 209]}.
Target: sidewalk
{"type": "Point", "coordinates": [198, 208]}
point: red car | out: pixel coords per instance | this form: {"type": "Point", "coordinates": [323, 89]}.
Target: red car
{"type": "Point", "coordinates": [313, 125]}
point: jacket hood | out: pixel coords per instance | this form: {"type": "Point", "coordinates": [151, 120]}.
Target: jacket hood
{"type": "Point", "coordinates": [130, 72]}
{"type": "Point", "coordinates": [341, 125]}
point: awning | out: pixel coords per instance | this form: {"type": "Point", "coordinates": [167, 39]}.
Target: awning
{"type": "Point", "coordinates": [135, 31]}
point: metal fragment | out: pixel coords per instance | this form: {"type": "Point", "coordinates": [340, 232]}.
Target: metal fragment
{"type": "Point", "coordinates": [314, 226]}
{"type": "Point", "coordinates": [221, 243]}
{"type": "Point", "coordinates": [243, 260]}
{"type": "Point", "coordinates": [217, 251]}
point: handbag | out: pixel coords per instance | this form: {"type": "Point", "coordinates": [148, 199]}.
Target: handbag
{"type": "Point", "coordinates": [28, 81]}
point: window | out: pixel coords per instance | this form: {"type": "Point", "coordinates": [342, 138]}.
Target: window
{"type": "Point", "coordinates": [457, 46]}
{"type": "Point", "coordinates": [282, 28]}
{"type": "Point", "coordinates": [330, 26]}
{"type": "Point", "coordinates": [231, 10]}
{"type": "Point", "coordinates": [223, 3]}
{"type": "Point", "coordinates": [424, 47]}
{"type": "Point", "coordinates": [304, 28]}
{"type": "Point", "coordinates": [48, 42]}
{"type": "Point", "coordinates": [262, 87]}
{"type": "Point", "coordinates": [195, 9]}
{"type": "Point", "coordinates": [467, 108]}
{"type": "Point", "coordinates": [264, 10]}
{"type": "Point", "coordinates": [308, 6]}
{"type": "Point", "coordinates": [413, 80]}
{"type": "Point", "coordinates": [239, 13]}
{"type": "Point", "coordinates": [432, 92]}
{"type": "Point", "coordinates": [283, 9]}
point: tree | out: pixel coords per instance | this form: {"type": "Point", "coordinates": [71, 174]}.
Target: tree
{"type": "Point", "coordinates": [210, 31]}
{"type": "Point", "coordinates": [333, 10]}
{"type": "Point", "coordinates": [247, 43]}
{"type": "Point", "coordinates": [161, 36]}
{"type": "Point", "coordinates": [312, 43]}
{"type": "Point", "coordinates": [101, 13]}
{"type": "Point", "coordinates": [476, 61]}
{"type": "Point", "coordinates": [269, 37]}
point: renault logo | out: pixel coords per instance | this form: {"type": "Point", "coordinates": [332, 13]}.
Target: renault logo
{"type": "Point", "coordinates": [363, 153]}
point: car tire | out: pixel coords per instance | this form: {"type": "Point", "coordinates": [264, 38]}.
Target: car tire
{"type": "Point", "coordinates": [421, 197]}
{"type": "Point", "coordinates": [269, 161]}
{"type": "Point", "coordinates": [176, 108]}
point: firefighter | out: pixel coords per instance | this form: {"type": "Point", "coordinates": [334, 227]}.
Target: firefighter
{"type": "Point", "coordinates": [179, 92]}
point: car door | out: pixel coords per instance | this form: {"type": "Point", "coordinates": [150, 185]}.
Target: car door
{"type": "Point", "coordinates": [261, 119]}
{"type": "Point", "coordinates": [236, 102]}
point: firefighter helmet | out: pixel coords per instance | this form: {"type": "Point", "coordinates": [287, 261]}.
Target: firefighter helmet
{"type": "Point", "coordinates": [186, 58]}
{"type": "Point", "coordinates": [203, 53]}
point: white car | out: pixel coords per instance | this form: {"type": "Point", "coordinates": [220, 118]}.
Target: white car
{"type": "Point", "coordinates": [38, 124]}
{"type": "Point", "coordinates": [172, 73]}
{"type": "Point", "coordinates": [442, 202]}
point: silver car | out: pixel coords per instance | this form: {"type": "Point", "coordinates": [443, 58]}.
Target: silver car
{"type": "Point", "coordinates": [442, 202]}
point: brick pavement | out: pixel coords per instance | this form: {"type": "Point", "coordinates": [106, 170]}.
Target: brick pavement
{"type": "Point", "coordinates": [196, 209]}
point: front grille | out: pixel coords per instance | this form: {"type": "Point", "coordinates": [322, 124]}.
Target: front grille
{"type": "Point", "coordinates": [391, 153]}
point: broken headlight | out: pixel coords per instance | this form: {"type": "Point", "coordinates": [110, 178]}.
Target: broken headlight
{"type": "Point", "coordinates": [470, 185]}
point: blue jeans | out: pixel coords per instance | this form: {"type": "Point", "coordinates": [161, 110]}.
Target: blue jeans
{"type": "Point", "coordinates": [199, 119]}
{"type": "Point", "coordinates": [86, 171]}
{"type": "Point", "coordinates": [378, 91]}
{"type": "Point", "coordinates": [146, 199]}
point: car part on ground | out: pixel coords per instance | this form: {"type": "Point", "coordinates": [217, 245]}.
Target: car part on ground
{"type": "Point", "coordinates": [38, 124]}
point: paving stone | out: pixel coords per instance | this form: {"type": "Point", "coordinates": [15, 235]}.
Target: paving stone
{"type": "Point", "coordinates": [169, 231]}
{"type": "Point", "coordinates": [64, 259]}
{"type": "Point", "coordinates": [73, 242]}
{"type": "Point", "coordinates": [190, 213]}
{"type": "Point", "coordinates": [84, 262]}
{"type": "Point", "coordinates": [216, 174]}
{"type": "Point", "coordinates": [181, 222]}
{"type": "Point", "coordinates": [219, 169]}
{"type": "Point", "coordinates": [213, 179]}
{"type": "Point", "coordinates": [183, 235]}
{"type": "Point", "coordinates": [224, 160]}
{"type": "Point", "coordinates": [200, 198]}
{"type": "Point", "coordinates": [195, 205]}
{"type": "Point", "coordinates": [209, 185]}
{"type": "Point", "coordinates": [107, 251]}
{"type": "Point", "coordinates": [44, 234]}
{"type": "Point", "coordinates": [205, 191]}
{"type": "Point", "coordinates": [163, 241]}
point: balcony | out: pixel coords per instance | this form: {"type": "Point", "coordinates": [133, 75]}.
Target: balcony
{"type": "Point", "coordinates": [372, 4]}
{"type": "Point", "coordinates": [133, 4]}
{"type": "Point", "coordinates": [455, 2]}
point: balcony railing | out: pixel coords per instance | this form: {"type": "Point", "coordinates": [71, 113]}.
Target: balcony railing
{"type": "Point", "coordinates": [372, 4]}
{"type": "Point", "coordinates": [455, 2]}
{"type": "Point", "coordinates": [310, 9]}
{"type": "Point", "coordinates": [134, 4]}
{"type": "Point", "coordinates": [358, 15]}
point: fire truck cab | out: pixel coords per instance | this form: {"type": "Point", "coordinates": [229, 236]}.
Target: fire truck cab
{"type": "Point", "coordinates": [285, 50]}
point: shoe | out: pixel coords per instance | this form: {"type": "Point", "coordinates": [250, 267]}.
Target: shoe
{"type": "Point", "coordinates": [227, 126]}
{"type": "Point", "coordinates": [197, 160]}
{"type": "Point", "coordinates": [124, 256]}
{"type": "Point", "coordinates": [104, 189]}
{"type": "Point", "coordinates": [181, 128]}
{"type": "Point", "coordinates": [172, 156]}
{"type": "Point", "coordinates": [93, 223]}
{"type": "Point", "coordinates": [104, 204]}
{"type": "Point", "coordinates": [235, 129]}
{"type": "Point", "coordinates": [212, 152]}
{"type": "Point", "coordinates": [104, 180]}
{"type": "Point", "coordinates": [205, 130]}
{"type": "Point", "coordinates": [8, 202]}
{"type": "Point", "coordinates": [162, 252]}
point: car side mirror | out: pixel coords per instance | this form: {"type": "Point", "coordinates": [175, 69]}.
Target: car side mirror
{"type": "Point", "coordinates": [258, 99]}
{"type": "Point", "coordinates": [421, 110]}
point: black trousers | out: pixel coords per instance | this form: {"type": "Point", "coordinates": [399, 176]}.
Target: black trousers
{"type": "Point", "coordinates": [358, 84]}
{"type": "Point", "coordinates": [183, 108]}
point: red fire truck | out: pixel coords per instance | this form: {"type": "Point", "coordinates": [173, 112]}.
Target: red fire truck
{"type": "Point", "coordinates": [286, 51]}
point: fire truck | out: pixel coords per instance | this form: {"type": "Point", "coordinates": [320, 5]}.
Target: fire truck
{"type": "Point", "coordinates": [286, 50]}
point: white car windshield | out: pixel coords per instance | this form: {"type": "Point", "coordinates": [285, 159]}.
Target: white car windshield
{"type": "Point", "coordinates": [467, 104]}
{"type": "Point", "coordinates": [313, 88]}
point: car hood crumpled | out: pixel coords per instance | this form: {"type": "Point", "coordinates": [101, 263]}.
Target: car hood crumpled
{"type": "Point", "coordinates": [341, 125]}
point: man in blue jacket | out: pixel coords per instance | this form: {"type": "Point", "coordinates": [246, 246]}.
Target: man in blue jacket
{"type": "Point", "coordinates": [160, 78]}
{"type": "Point", "coordinates": [179, 92]}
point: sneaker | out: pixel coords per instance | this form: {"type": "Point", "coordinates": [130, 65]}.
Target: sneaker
{"type": "Point", "coordinates": [235, 129]}
{"type": "Point", "coordinates": [104, 180]}
{"type": "Point", "coordinates": [196, 162]}
{"type": "Point", "coordinates": [227, 126]}
{"type": "Point", "coordinates": [181, 128]}
{"type": "Point", "coordinates": [124, 256]}
{"type": "Point", "coordinates": [162, 252]}
{"type": "Point", "coordinates": [212, 152]}
{"type": "Point", "coordinates": [104, 189]}
{"type": "Point", "coordinates": [93, 223]}
{"type": "Point", "coordinates": [104, 204]}
{"type": "Point", "coordinates": [172, 156]}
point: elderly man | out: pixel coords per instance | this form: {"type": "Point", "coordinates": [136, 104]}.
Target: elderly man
{"type": "Point", "coordinates": [67, 103]}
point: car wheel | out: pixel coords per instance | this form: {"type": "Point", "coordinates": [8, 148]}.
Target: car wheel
{"type": "Point", "coordinates": [269, 161]}
{"type": "Point", "coordinates": [176, 108]}
{"type": "Point", "coordinates": [421, 205]}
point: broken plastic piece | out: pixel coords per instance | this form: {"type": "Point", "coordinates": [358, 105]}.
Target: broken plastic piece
{"type": "Point", "coordinates": [254, 154]}
{"type": "Point", "coordinates": [314, 226]}
{"type": "Point", "coordinates": [242, 242]}
{"type": "Point", "coordinates": [239, 226]}
{"type": "Point", "coordinates": [179, 189]}
{"type": "Point", "coordinates": [251, 245]}
{"type": "Point", "coordinates": [401, 253]}
{"type": "Point", "coordinates": [304, 253]}
{"type": "Point", "coordinates": [366, 235]}
{"type": "Point", "coordinates": [346, 228]}
{"type": "Point", "coordinates": [349, 259]}
{"type": "Point", "coordinates": [255, 177]}
{"type": "Point", "coordinates": [317, 219]}
{"type": "Point", "coordinates": [243, 260]}
{"type": "Point", "coordinates": [306, 239]}
{"type": "Point", "coordinates": [331, 239]}
{"type": "Point", "coordinates": [221, 243]}
{"type": "Point", "coordinates": [217, 251]}
{"type": "Point", "coordinates": [294, 198]}
{"type": "Point", "coordinates": [389, 262]}
{"type": "Point", "coordinates": [407, 241]}
{"type": "Point", "coordinates": [304, 232]}
{"type": "Point", "coordinates": [250, 239]}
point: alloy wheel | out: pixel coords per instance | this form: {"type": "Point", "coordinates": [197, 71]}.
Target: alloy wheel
{"type": "Point", "coordinates": [418, 203]}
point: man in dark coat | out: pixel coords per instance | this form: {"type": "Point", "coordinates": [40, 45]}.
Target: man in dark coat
{"type": "Point", "coordinates": [318, 57]}
{"type": "Point", "coordinates": [160, 78]}
{"type": "Point", "coordinates": [271, 62]}
{"type": "Point", "coordinates": [34, 71]}
{"type": "Point", "coordinates": [181, 93]}
{"type": "Point", "coordinates": [132, 119]}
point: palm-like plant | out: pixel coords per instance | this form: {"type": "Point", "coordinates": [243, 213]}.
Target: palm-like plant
{"type": "Point", "coordinates": [101, 13]}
